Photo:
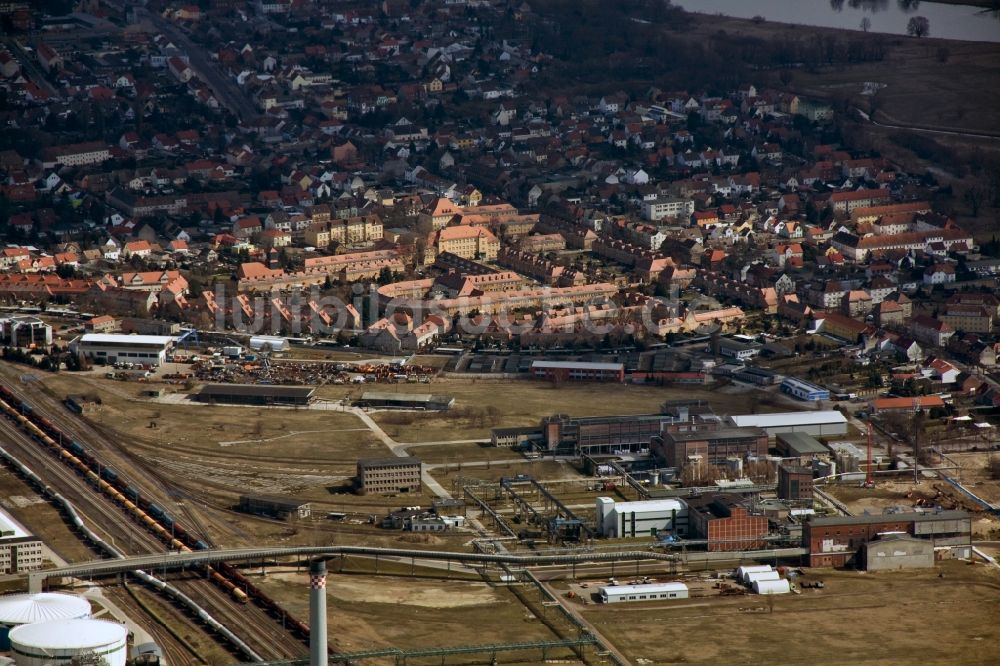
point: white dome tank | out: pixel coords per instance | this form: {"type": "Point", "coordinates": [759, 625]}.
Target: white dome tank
{"type": "Point", "coordinates": [18, 609]}
{"type": "Point", "coordinates": [61, 640]}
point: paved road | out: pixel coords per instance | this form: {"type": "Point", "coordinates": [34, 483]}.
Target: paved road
{"type": "Point", "coordinates": [571, 610]}
{"type": "Point", "coordinates": [225, 89]}
{"type": "Point", "coordinates": [912, 128]}
{"type": "Point", "coordinates": [29, 65]}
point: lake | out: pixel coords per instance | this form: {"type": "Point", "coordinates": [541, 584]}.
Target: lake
{"type": "Point", "coordinates": [888, 16]}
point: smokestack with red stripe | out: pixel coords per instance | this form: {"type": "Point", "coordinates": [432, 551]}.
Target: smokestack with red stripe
{"type": "Point", "coordinates": [318, 651]}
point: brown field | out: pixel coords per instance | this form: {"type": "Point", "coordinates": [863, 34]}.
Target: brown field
{"type": "Point", "coordinates": [891, 618]}
{"type": "Point", "coordinates": [367, 612]}
{"type": "Point", "coordinates": [524, 402]}
{"type": "Point", "coordinates": [958, 94]}
{"type": "Point", "coordinates": [976, 476]}
{"type": "Point", "coordinates": [41, 518]}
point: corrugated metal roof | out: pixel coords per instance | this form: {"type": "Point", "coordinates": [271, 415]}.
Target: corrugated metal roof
{"type": "Point", "coordinates": [650, 505]}
{"type": "Point", "coordinates": [257, 390]}
{"type": "Point", "coordinates": [827, 521]}
{"type": "Point", "coordinates": [112, 338]}
{"type": "Point", "coordinates": [824, 417]}
{"type": "Point", "coordinates": [577, 365]}
{"type": "Point", "coordinates": [645, 588]}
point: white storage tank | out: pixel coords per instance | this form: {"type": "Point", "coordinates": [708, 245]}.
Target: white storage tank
{"type": "Point", "coordinates": [18, 609]}
{"type": "Point", "coordinates": [771, 587]}
{"type": "Point", "coordinates": [58, 641]}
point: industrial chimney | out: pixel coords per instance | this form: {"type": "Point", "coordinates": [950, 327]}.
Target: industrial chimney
{"type": "Point", "coordinates": [317, 614]}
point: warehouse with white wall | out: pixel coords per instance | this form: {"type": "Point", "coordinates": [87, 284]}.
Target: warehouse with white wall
{"type": "Point", "coordinates": [619, 520]}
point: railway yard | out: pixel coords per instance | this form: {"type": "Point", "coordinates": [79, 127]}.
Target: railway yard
{"type": "Point", "coordinates": [150, 471]}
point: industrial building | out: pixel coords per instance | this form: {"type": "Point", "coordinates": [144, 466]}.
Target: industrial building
{"type": "Point", "coordinates": [795, 482]}
{"type": "Point", "coordinates": [113, 348]}
{"type": "Point", "coordinates": [618, 520]}
{"type": "Point", "coordinates": [804, 390]}
{"type": "Point", "coordinates": [725, 524]}
{"type": "Point", "coordinates": [613, 594]}
{"type": "Point", "coordinates": [19, 550]}
{"type": "Point", "coordinates": [515, 437]}
{"type": "Point", "coordinates": [578, 371]}
{"type": "Point", "coordinates": [779, 586]}
{"type": "Point", "coordinates": [894, 551]}
{"type": "Point", "coordinates": [712, 447]}
{"type": "Point", "coordinates": [818, 423]}
{"type": "Point", "coordinates": [744, 572]}
{"type": "Point", "coordinates": [19, 609]}
{"type": "Point", "coordinates": [614, 435]}
{"type": "Point", "coordinates": [269, 343]}
{"type": "Point", "coordinates": [388, 476]}
{"type": "Point", "coordinates": [835, 541]}
{"type": "Point", "coordinates": [386, 400]}
{"type": "Point", "coordinates": [799, 447]}
{"type": "Point", "coordinates": [256, 394]}
{"type": "Point", "coordinates": [62, 641]}
{"type": "Point", "coordinates": [274, 507]}
{"type": "Point", "coordinates": [25, 331]}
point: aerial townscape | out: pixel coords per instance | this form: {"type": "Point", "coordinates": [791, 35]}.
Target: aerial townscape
{"type": "Point", "coordinates": [499, 332]}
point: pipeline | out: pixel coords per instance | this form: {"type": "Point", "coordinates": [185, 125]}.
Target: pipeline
{"type": "Point", "coordinates": [107, 549]}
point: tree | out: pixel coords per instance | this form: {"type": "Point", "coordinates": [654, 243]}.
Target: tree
{"type": "Point", "coordinates": [866, 24]}
{"type": "Point", "coordinates": [974, 196]}
{"type": "Point", "coordinates": [918, 26]}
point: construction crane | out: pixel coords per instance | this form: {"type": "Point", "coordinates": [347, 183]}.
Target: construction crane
{"type": "Point", "coordinates": [869, 475]}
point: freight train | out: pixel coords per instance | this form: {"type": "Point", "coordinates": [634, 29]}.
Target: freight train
{"type": "Point", "coordinates": [149, 514]}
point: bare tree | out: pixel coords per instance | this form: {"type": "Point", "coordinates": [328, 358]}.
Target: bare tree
{"type": "Point", "coordinates": [975, 196]}
{"type": "Point", "coordinates": [866, 24]}
{"type": "Point", "coordinates": [918, 26]}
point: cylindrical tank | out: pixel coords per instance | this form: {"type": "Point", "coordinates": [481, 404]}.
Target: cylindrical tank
{"type": "Point", "coordinates": [18, 609]}
{"type": "Point", "coordinates": [61, 640]}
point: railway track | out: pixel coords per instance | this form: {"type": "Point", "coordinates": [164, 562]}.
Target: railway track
{"type": "Point", "coordinates": [105, 520]}
{"type": "Point", "coordinates": [104, 447]}
{"type": "Point", "coordinates": [175, 652]}
{"type": "Point", "coordinates": [268, 639]}
{"type": "Point", "coordinates": [134, 538]}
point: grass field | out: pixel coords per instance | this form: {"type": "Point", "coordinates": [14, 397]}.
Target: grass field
{"type": "Point", "coordinates": [890, 618]}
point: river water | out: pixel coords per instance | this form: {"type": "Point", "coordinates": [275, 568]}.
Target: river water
{"type": "Point", "coordinates": [888, 16]}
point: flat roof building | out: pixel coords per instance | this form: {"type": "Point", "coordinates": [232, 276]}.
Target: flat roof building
{"type": "Point", "coordinates": [711, 447]}
{"type": "Point", "coordinates": [818, 423]}
{"type": "Point", "coordinates": [256, 394]}
{"type": "Point", "coordinates": [388, 476]}
{"type": "Point", "coordinates": [618, 520]}
{"type": "Point", "coordinates": [795, 482]}
{"type": "Point", "coordinates": [578, 371]}
{"type": "Point", "coordinates": [804, 390]}
{"type": "Point", "coordinates": [799, 446]}
{"type": "Point", "coordinates": [19, 549]}
{"type": "Point", "coordinates": [25, 331]}
{"type": "Point", "coordinates": [275, 507]}
{"type": "Point", "coordinates": [113, 348]}
{"type": "Point", "coordinates": [835, 541]}
{"type": "Point", "coordinates": [387, 400]}
{"type": "Point", "coordinates": [894, 551]}
{"type": "Point", "coordinates": [726, 524]}
{"type": "Point", "coordinates": [611, 594]}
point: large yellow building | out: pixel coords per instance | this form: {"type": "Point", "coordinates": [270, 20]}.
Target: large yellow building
{"type": "Point", "coordinates": [468, 242]}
